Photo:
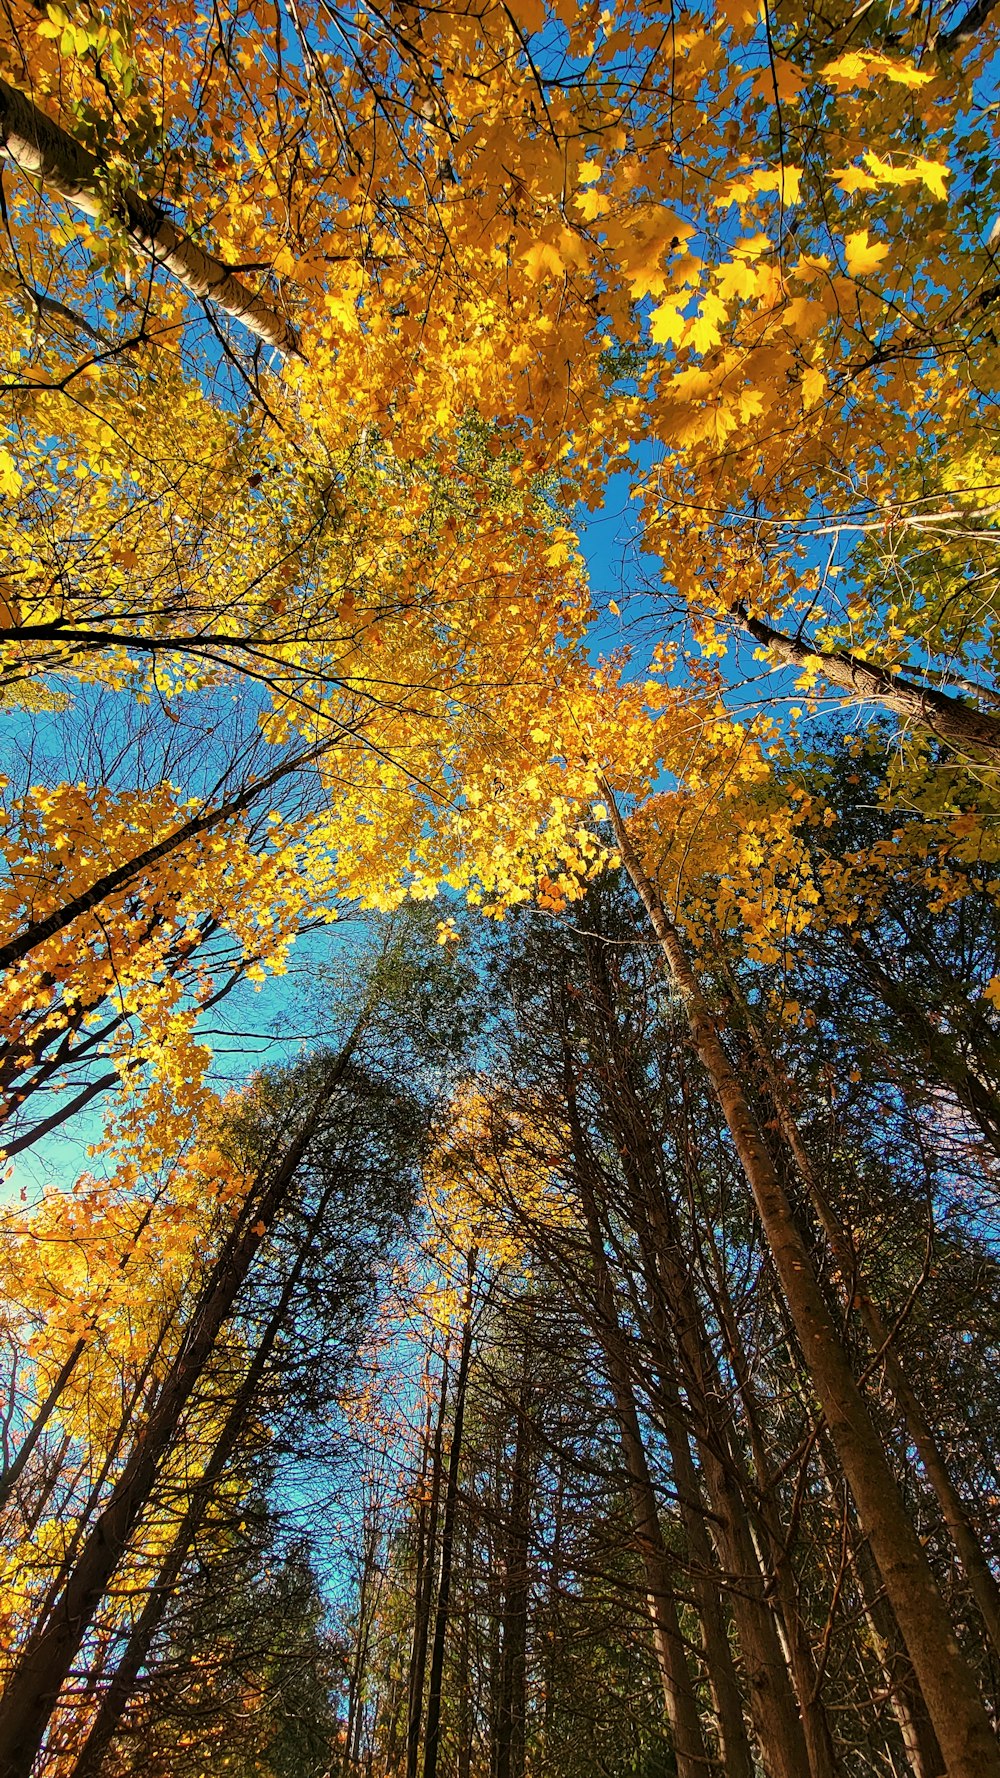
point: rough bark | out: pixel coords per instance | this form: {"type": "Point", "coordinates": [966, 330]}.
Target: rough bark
{"type": "Point", "coordinates": [953, 1700]}
{"type": "Point", "coordinates": [978, 1572]}
{"type": "Point", "coordinates": [41, 148]}
{"type": "Point", "coordinates": [944, 716]}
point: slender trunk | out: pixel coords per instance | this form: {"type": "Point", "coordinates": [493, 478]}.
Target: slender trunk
{"type": "Point", "coordinates": [737, 1758]}
{"type": "Point", "coordinates": [509, 1761]}
{"type": "Point", "coordinates": [122, 1684]}
{"type": "Point", "coordinates": [953, 1701]}
{"type": "Point", "coordinates": [46, 1659]}
{"type": "Point", "coordinates": [37, 146]}
{"type": "Point", "coordinates": [432, 1739]}
{"type": "Point", "coordinates": [946, 717]}
{"type": "Point", "coordinates": [668, 1640]}
{"type": "Point", "coordinates": [426, 1553]}
{"type": "Point", "coordinates": [12, 1474]}
{"type": "Point", "coordinates": [978, 1572]}
{"type": "Point", "coordinates": [37, 931]}
{"type": "Point", "coordinates": [823, 1759]}
{"type": "Point", "coordinates": [784, 1739]}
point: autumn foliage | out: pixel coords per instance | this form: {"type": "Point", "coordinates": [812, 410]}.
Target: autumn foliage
{"type": "Point", "coordinates": [331, 341]}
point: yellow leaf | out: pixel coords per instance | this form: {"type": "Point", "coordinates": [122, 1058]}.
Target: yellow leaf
{"type": "Point", "coordinates": [859, 68]}
{"type": "Point", "coordinates": [706, 326]}
{"type": "Point", "coordinates": [667, 323]}
{"type": "Point", "coordinates": [589, 173]}
{"type": "Point", "coordinates": [591, 203]}
{"type": "Point", "coordinates": [737, 279]}
{"type": "Point", "coordinates": [10, 480]}
{"type": "Point", "coordinates": [529, 15]}
{"type": "Point", "coordinates": [542, 259]}
{"type": "Point", "coordinates": [863, 255]}
{"type": "Point", "coordinates": [813, 385]}
{"type": "Point", "coordinates": [934, 175]}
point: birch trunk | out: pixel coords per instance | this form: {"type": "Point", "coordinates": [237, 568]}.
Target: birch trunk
{"type": "Point", "coordinates": [42, 149]}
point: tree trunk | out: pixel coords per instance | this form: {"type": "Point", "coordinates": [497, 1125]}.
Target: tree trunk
{"type": "Point", "coordinates": [432, 1739]}
{"type": "Point", "coordinates": [978, 1572]}
{"type": "Point", "coordinates": [786, 1731]}
{"type": "Point", "coordinates": [45, 151]}
{"type": "Point", "coordinates": [946, 717]}
{"type": "Point", "coordinates": [670, 1647]}
{"type": "Point", "coordinates": [427, 1524]}
{"type": "Point", "coordinates": [47, 1657]}
{"type": "Point", "coordinates": [953, 1701]}
{"type": "Point", "coordinates": [509, 1762]}
{"type": "Point", "coordinates": [122, 1684]}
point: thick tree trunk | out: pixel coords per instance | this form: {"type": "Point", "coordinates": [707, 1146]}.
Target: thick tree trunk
{"type": "Point", "coordinates": [953, 1701]}
{"type": "Point", "coordinates": [978, 1572]}
{"type": "Point", "coordinates": [945, 717]}
{"type": "Point", "coordinates": [45, 151]}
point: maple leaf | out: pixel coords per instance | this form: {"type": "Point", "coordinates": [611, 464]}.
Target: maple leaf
{"type": "Point", "coordinates": [862, 254]}
{"type": "Point", "coordinates": [737, 278]}
{"type": "Point", "coordinates": [704, 330]}
{"type": "Point", "coordinates": [666, 323]}
{"type": "Point", "coordinates": [542, 259]}
{"type": "Point", "coordinates": [863, 68]}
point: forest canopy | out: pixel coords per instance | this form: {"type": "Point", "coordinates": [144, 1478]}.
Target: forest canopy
{"type": "Point", "coordinates": [499, 927]}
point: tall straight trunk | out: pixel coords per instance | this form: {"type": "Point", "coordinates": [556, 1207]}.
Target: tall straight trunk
{"type": "Point", "coordinates": [465, 1712]}
{"type": "Point", "coordinates": [669, 1644]}
{"type": "Point", "coordinates": [953, 1701]}
{"type": "Point", "coordinates": [122, 1685]}
{"type": "Point", "coordinates": [970, 1554]}
{"type": "Point", "coordinates": [426, 1553]}
{"type": "Point", "coordinates": [737, 1758]}
{"type": "Point", "coordinates": [47, 1657]}
{"type": "Point", "coordinates": [823, 1759]}
{"type": "Point", "coordinates": [362, 1644]}
{"type": "Point", "coordinates": [920, 1744]}
{"type": "Point", "coordinates": [944, 716]}
{"type": "Point", "coordinates": [791, 1734]}
{"type": "Point", "coordinates": [432, 1739]}
{"type": "Point", "coordinates": [36, 145]}
{"type": "Point", "coordinates": [510, 1737]}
